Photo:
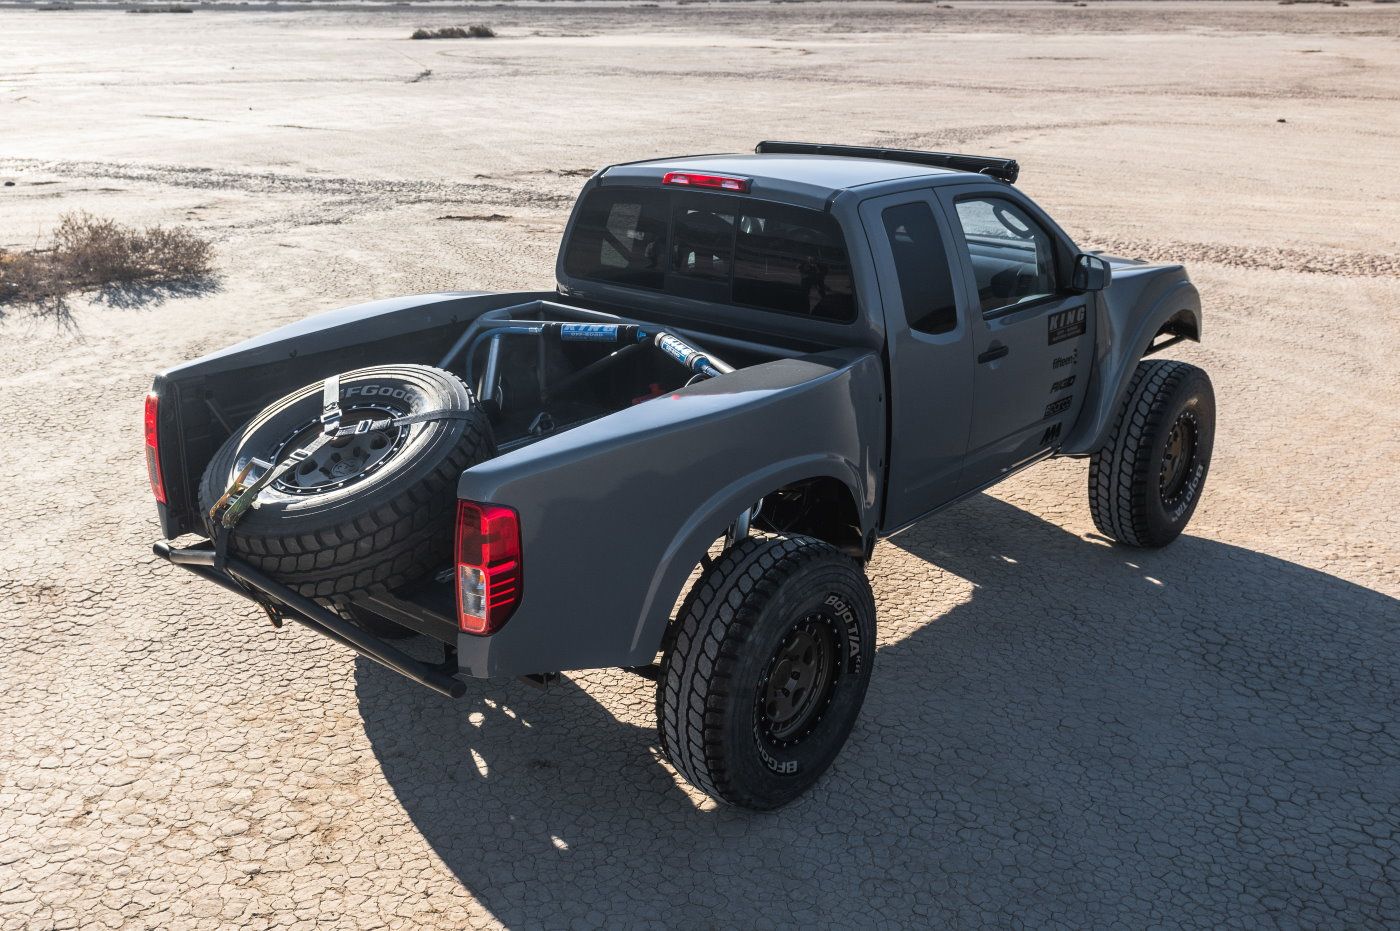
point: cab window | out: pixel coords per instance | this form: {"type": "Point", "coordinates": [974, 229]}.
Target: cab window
{"type": "Point", "coordinates": [715, 247]}
{"type": "Point", "coordinates": [620, 237]}
{"type": "Point", "coordinates": [1013, 256]}
{"type": "Point", "coordinates": [921, 266]}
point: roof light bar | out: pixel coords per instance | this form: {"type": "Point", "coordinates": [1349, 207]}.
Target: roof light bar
{"type": "Point", "coordinates": [1003, 169]}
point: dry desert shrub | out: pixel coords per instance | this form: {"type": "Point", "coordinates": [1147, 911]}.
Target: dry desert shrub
{"type": "Point", "coordinates": [476, 31]}
{"type": "Point", "coordinates": [90, 252]}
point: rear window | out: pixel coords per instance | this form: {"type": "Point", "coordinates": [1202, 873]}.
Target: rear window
{"type": "Point", "coordinates": [715, 247]}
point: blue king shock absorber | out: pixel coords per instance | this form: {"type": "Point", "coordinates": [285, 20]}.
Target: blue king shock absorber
{"type": "Point", "coordinates": [588, 332]}
{"type": "Point", "coordinates": [686, 355]}
{"type": "Point", "coordinates": [595, 332]}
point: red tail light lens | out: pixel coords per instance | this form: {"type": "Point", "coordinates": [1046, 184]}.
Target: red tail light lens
{"type": "Point", "coordinates": [715, 182]}
{"type": "Point", "coordinates": [489, 579]}
{"type": "Point", "coordinates": [153, 447]}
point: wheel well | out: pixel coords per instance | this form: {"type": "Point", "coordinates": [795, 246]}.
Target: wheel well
{"type": "Point", "coordinates": [1182, 325]}
{"type": "Point", "coordinates": [816, 507]}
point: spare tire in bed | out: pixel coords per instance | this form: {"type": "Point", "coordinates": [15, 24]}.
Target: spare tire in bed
{"type": "Point", "coordinates": [365, 512]}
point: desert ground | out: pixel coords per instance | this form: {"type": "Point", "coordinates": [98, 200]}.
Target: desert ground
{"type": "Point", "coordinates": [1060, 732]}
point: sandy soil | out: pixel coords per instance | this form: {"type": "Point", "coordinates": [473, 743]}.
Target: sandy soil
{"type": "Point", "coordinates": [1060, 732]}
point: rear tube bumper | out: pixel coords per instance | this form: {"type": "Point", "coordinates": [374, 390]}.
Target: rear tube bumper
{"type": "Point", "coordinates": [200, 560]}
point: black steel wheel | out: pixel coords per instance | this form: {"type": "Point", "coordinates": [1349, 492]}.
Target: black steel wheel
{"type": "Point", "coordinates": [1178, 458]}
{"type": "Point", "coordinates": [765, 670]}
{"type": "Point", "coordinates": [1145, 483]}
{"type": "Point", "coordinates": [801, 678]}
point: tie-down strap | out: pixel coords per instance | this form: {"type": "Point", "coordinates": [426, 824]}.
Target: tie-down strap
{"type": "Point", "coordinates": [239, 497]}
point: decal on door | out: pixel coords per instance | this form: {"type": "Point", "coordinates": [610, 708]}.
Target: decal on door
{"type": "Point", "coordinates": [1057, 406]}
{"type": "Point", "coordinates": [1051, 435]}
{"type": "Point", "coordinates": [1062, 384]}
{"type": "Point", "coordinates": [1062, 361]}
{"type": "Point", "coordinates": [1067, 324]}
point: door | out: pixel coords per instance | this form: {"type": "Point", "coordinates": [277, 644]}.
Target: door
{"type": "Point", "coordinates": [930, 352]}
{"type": "Point", "coordinates": [1032, 337]}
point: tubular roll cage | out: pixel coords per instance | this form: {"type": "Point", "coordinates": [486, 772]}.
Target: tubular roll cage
{"type": "Point", "coordinates": [1003, 169]}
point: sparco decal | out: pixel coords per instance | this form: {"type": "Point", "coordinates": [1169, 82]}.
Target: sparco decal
{"type": "Point", "coordinates": [1067, 324]}
{"type": "Point", "coordinates": [1057, 406]}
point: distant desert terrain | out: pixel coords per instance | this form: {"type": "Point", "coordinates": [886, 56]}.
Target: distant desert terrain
{"type": "Point", "coordinates": [1059, 732]}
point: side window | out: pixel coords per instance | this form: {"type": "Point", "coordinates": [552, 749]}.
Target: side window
{"type": "Point", "coordinates": [925, 280]}
{"type": "Point", "coordinates": [1013, 257]}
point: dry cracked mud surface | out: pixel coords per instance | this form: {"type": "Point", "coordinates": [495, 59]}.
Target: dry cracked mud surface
{"type": "Point", "coordinates": [1060, 732]}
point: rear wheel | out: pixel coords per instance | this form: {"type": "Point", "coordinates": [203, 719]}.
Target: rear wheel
{"type": "Point", "coordinates": [767, 671]}
{"type": "Point", "coordinates": [1145, 483]}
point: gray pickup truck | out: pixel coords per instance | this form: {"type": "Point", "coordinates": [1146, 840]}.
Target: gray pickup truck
{"type": "Point", "coordinates": [678, 462]}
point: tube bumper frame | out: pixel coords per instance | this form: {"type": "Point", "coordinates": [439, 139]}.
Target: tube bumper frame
{"type": "Point", "coordinates": [200, 560]}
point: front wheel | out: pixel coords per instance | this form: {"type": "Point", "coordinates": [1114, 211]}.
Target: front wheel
{"type": "Point", "coordinates": [767, 670]}
{"type": "Point", "coordinates": [1145, 483]}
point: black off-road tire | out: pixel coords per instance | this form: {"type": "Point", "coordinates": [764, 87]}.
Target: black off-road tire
{"type": "Point", "coordinates": [729, 651]}
{"type": "Point", "coordinates": [1169, 406]}
{"type": "Point", "coordinates": [382, 529]}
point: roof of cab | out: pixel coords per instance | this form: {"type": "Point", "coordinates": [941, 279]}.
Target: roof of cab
{"type": "Point", "coordinates": [792, 178]}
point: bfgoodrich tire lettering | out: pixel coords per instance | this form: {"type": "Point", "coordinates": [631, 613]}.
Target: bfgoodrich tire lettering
{"type": "Point", "coordinates": [742, 623]}
{"type": "Point", "coordinates": [387, 520]}
{"type": "Point", "coordinates": [1145, 483]}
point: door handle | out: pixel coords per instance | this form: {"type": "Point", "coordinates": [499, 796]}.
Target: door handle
{"type": "Point", "coordinates": [996, 352]}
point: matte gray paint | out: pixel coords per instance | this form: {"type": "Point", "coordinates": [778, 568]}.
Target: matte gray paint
{"type": "Point", "coordinates": [930, 375]}
{"type": "Point", "coordinates": [614, 514]}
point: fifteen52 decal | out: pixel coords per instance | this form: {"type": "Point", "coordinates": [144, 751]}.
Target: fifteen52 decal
{"type": "Point", "coordinates": [1067, 324]}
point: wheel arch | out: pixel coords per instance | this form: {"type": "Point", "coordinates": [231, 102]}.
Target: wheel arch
{"type": "Point", "coordinates": [1155, 302]}
{"type": "Point", "coordinates": [831, 483]}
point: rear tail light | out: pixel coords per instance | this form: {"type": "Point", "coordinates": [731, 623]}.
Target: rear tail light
{"type": "Point", "coordinates": [489, 581]}
{"type": "Point", "coordinates": [153, 447]}
{"type": "Point", "coordinates": [714, 182]}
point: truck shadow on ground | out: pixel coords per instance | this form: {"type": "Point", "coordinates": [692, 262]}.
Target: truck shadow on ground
{"type": "Point", "coordinates": [1096, 736]}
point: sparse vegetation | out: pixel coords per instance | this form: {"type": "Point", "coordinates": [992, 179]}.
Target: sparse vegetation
{"type": "Point", "coordinates": [90, 252]}
{"type": "Point", "coordinates": [476, 31]}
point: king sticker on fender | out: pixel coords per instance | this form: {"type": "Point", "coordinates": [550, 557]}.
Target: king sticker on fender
{"type": "Point", "coordinates": [1067, 324]}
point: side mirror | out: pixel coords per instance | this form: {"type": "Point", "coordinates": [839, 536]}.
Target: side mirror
{"type": "Point", "coordinates": [1091, 273]}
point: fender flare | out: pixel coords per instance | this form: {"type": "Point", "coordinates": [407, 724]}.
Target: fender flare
{"type": "Point", "coordinates": [709, 521]}
{"type": "Point", "coordinates": [1125, 336]}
